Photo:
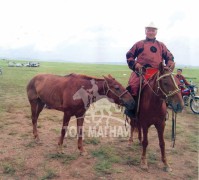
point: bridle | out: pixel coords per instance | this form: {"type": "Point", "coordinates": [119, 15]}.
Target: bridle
{"type": "Point", "coordinates": [109, 89]}
{"type": "Point", "coordinates": [170, 93]}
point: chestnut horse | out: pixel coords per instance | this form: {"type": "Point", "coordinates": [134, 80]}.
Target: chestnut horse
{"type": "Point", "coordinates": [159, 89]}
{"type": "Point", "coordinates": [59, 92]}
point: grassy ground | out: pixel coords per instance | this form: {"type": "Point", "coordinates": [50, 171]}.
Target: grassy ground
{"type": "Point", "coordinates": [108, 158]}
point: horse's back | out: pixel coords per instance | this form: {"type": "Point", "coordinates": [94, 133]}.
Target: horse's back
{"type": "Point", "coordinates": [41, 79]}
{"type": "Point", "coordinates": [45, 83]}
{"type": "Point", "coordinates": [49, 78]}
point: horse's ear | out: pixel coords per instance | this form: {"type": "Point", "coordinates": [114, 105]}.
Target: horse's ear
{"type": "Point", "coordinates": [161, 67]}
{"type": "Point", "coordinates": [105, 77]}
{"type": "Point", "coordinates": [110, 76]}
{"type": "Point", "coordinates": [172, 66]}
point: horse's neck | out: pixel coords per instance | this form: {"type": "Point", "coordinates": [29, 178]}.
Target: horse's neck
{"type": "Point", "coordinates": [101, 89]}
{"type": "Point", "coordinates": [150, 90]}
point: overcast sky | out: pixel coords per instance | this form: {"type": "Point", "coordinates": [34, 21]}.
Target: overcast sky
{"type": "Point", "coordinates": [95, 30]}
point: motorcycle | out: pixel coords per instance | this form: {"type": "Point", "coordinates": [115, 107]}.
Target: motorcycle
{"type": "Point", "coordinates": [189, 97]}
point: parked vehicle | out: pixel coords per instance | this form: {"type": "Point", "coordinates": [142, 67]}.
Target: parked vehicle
{"type": "Point", "coordinates": [190, 98]}
{"type": "Point", "coordinates": [11, 64]}
{"type": "Point", "coordinates": [32, 64]}
{"type": "Point", "coordinates": [18, 65]}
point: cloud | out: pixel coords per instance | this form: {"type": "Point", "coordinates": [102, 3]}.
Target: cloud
{"type": "Point", "coordinates": [94, 30]}
{"type": "Point", "coordinates": [175, 18]}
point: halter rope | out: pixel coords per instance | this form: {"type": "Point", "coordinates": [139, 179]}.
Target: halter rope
{"type": "Point", "coordinates": [109, 89]}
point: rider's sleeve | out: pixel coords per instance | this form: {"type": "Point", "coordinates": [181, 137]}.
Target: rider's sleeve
{"type": "Point", "coordinates": [130, 57]}
{"type": "Point", "coordinates": [185, 81]}
{"type": "Point", "coordinates": [133, 53]}
{"type": "Point", "coordinates": [167, 55]}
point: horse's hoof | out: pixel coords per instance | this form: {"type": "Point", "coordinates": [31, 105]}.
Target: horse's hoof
{"type": "Point", "coordinates": [167, 169]}
{"type": "Point", "coordinates": [130, 143]}
{"type": "Point", "coordinates": [144, 165]}
{"type": "Point", "coordinates": [59, 150]}
{"type": "Point", "coordinates": [36, 138]}
{"type": "Point", "coordinates": [83, 153]}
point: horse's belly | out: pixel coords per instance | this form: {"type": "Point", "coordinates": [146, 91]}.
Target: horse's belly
{"type": "Point", "coordinates": [152, 114]}
{"type": "Point", "coordinates": [51, 97]}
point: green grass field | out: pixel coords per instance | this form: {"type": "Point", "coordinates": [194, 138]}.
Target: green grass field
{"type": "Point", "coordinates": [14, 79]}
{"type": "Point", "coordinates": [22, 158]}
{"type": "Point", "coordinates": [19, 76]}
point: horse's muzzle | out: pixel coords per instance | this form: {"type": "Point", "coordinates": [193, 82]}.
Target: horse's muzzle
{"type": "Point", "coordinates": [177, 107]}
{"type": "Point", "coordinates": [129, 104]}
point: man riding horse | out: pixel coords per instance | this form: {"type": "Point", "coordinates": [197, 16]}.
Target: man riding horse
{"type": "Point", "coordinates": [145, 53]}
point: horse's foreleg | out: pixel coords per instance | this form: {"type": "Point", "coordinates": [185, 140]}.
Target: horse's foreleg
{"type": "Point", "coordinates": [144, 146]}
{"type": "Point", "coordinates": [131, 133]}
{"type": "Point", "coordinates": [66, 120]}
{"type": "Point", "coordinates": [80, 122]}
{"type": "Point", "coordinates": [140, 134]}
{"type": "Point", "coordinates": [160, 130]}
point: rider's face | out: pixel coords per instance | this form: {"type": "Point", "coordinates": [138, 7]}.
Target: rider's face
{"type": "Point", "coordinates": [150, 33]}
{"type": "Point", "coordinates": [179, 72]}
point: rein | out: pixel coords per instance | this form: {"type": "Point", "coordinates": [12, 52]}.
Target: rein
{"type": "Point", "coordinates": [173, 135]}
{"type": "Point", "coordinates": [171, 93]}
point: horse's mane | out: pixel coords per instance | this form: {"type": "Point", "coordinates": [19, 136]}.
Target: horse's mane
{"type": "Point", "coordinates": [152, 78]}
{"type": "Point", "coordinates": [83, 76]}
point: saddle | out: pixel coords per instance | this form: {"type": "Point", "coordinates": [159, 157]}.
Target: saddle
{"type": "Point", "coordinates": [149, 73]}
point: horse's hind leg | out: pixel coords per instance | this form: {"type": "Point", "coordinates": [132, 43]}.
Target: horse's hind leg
{"type": "Point", "coordinates": [36, 108]}
{"type": "Point", "coordinates": [135, 126]}
{"type": "Point", "coordinates": [160, 129]}
{"type": "Point", "coordinates": [66, 120]}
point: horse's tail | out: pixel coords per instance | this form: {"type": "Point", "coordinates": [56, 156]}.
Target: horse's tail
{"type": "Point", "coordinates": [31, 90]}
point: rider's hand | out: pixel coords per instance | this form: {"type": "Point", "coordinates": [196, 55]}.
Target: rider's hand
{"type": "Point", "coordinates": [138, 66]}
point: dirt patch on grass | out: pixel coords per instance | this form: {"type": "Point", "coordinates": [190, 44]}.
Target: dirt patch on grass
{"type": "Point", "coordinates": [107, 158]}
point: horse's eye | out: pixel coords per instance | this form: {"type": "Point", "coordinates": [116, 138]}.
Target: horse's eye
{"type": "Point", "coordinates": [117, 87]}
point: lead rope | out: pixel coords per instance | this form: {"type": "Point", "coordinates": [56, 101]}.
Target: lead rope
{"type": "Point", "coordinates": [138, 106]}
{"type": "Point", "coordinates": [173, 136]}
{"type": "Point", "coordinates": [140, 89]}
{"type": "Point", "coordinates": [126, 120]}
